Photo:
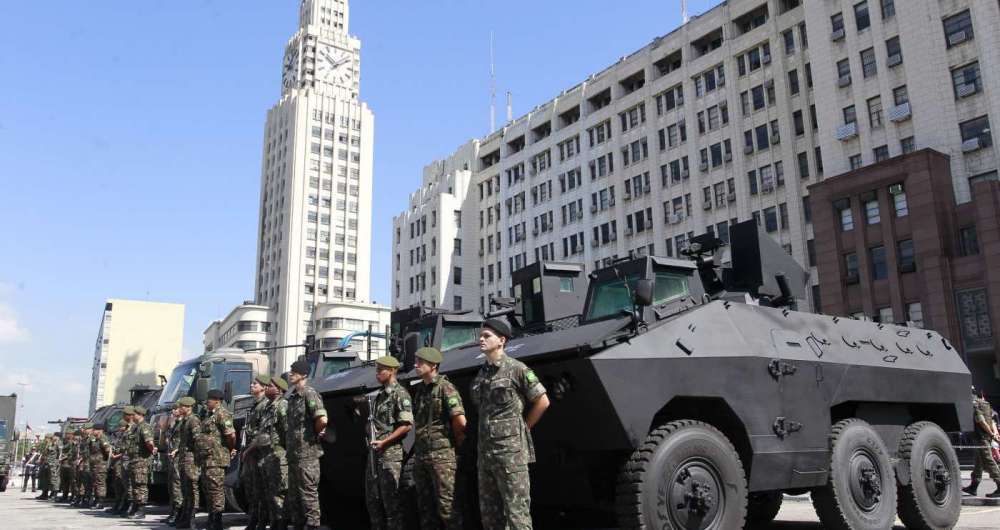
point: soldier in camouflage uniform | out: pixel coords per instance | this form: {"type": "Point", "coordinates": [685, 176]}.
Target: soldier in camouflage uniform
{"type": "Point", "coordinates": [97, 454]}
{"type": "Point", "coordinates": [249, 474]}
{"type": "Point", "coordinates": [393, 417]}
{"type": "Point", "coordinates": [986, 432]}
{"type": "Point", "coordinates": [189, 427]}
{"type": "Point", "coordinates": [67, 464]}
{"type": "Point", "coordinates": [82, 482]}
{"type": "Point", "coordinates": [502, 390]}
{"type": "Point", "coordinates": [439, 424]}
{"type": "Point", "coordinates": [272, 464]}
{"type": "Point", "coordinates": [216, 445]}
{"type": "Point", "coordinates": [172, 442]}
{"type": "Point", "coordinates": [140, 447]}
{"type": "Point", "coordinates": [50, 467]}
{"type": "Point", "coordinates": [306, 426]}
{"type": "Point", "coordinates": [115, 461]}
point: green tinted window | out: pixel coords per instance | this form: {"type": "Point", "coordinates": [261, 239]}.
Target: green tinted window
{"type": "Point", "coordinates": [611, 297]}
{"type": "Point", "coordinates": [669, 285]}
{"type": "Point", "coordinates": [566, 285]}
{"type": "Point", "coordinates": [333, 366]}
{"type": "Point", "coordinates": [454, 336]}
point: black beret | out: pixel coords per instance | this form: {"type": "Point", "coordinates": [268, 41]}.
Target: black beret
{"type": "Point", "coordinates": [300, 367]}
{"type": "Point", "coordinates": [498, 326]}
{"type": "Point", "coordinates": [215, 393]}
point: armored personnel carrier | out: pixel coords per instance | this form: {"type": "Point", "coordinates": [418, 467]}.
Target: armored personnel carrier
{"type": "Point", "coordinates": [691, 394]}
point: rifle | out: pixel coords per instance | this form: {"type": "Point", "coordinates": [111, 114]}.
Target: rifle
{"type": "Point", "coordinates": [372, 436]}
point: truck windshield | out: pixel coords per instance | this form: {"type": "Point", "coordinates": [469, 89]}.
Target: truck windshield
{"type": "Point", "coordinates": [454, 336]}
{"type": "Point", "coordinates": [179, 383]}
{"type": "Point", "coordinates": [181, 379]}
{"type": "Point", "coordinates": [611, 297]}
{"type": "Point", "coordinates": [330, 366]}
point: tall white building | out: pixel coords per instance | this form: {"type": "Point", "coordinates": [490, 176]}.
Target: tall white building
{"type": "Point", "coordinates": [314, 234]}
{"type": "Point", "coordinates": [137, 342]}
{"type": "Point", "coordinates": [727, 118]}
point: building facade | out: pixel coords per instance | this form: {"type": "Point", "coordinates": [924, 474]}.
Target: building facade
{"type": "Point", "coordinates": [727, 118]}
{"type": "Point", "coordinates": [335, 321]}
{"type": "Point", "coordinates": [137, 342]}
{"type": "Point", "coordinates": [314, 234]}
{"type": "Point", "coordinates": [900, 248]}
{"type": "Point", "coordinates": [247, 326]}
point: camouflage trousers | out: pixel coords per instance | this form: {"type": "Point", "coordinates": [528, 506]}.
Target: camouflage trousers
{"type": "Point", "coordinates": [382, 495]}
{"type": "Point", "coordinates": [52, 477]}
{"type": "Point", "coordinates": [253, 488]}
{"type": "Point", "coordinates": [174, 483]}
{"type": "Point", "coordinates": [302, 499]}
{"type": "Point", "coordinates": [138, 480]}
{"type": "Point", "coordinates": [82, 483]}
{"type": "Point", "coordinates": [98, 486]}
{"type": "Point", "coordinates": [189, 474]}
{"type": "Point", "coordinates": [984, 460]}
{"type": "Point", "coordinates": [434, 475]}
{"type": "Point", "coordinates": [213, 486]}
{"type": "Point", "coordinates": [118, 486]}
{"type": "Point", "coordinates": [67, 478]}
{"type": "Point", "coordinates": [504, 495]}
{"type": "Point", "coordinates": [273, 469]}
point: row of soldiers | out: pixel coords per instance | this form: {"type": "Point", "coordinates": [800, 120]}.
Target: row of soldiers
{"type": "Point", "coordinates": [76, 464]}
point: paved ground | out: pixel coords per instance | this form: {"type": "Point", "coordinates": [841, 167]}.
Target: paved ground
{"type": "Point", "coordinates": [20, 511]}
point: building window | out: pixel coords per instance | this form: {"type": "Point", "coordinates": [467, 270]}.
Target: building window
{"type": "Point", "coordinates": [851, 267]}
{"type": "Point", "coordinates": [793, 82]}
{"type": "Point", "coordinates": [861, 17]}
{"type": "Point", "coordinates": [900, 95]}
{"type": "Point", "coordinates": [983, 177]}
{"type": "Point", "coordinates": [458, 275]}
{"type": "Point", "coordinates": [958, 28]}
{"type": "Point", "coordinates": [837, 22]}
{"type": "Point", "coordinates": [881, 153]}
{"type": "Point", "coordinates": [789, 40]}
{"type": "Point", "coordinates": [457, 303]}
{"type": "Point", "coordinates": [966, 80]}
{"type": "Point", "coordinates": [915, 314]}
{"type": "Point", "coordinates": [855, 162]}
{"type": "Point", "coordinates": [803, 165]}
{"type": "Point", "coordinates": [868, 65]}
{"type": "Point", "coordinates": [977, 129]}
{"type": "Point", "coordinates": [888, 9]}
{"type": "Point", "coordinates": [880, 270]}
{"type": "Point", "coordinates": [974, 319]}
{"type": "Point", "coordinates": [884, 315]}
{"type": "Point", "coordinates": [875, 112]}
{"type": "Point", "coordinates": [906, 256]}
{"type": "Point", "coordinates": [844, 72]}
{"type": "Point", "coordinates": [907, 145]}
{"type": "Point", "coordinates": [893, 52]}
{"type": "Point", "coordinates": [899, 203]}
{"type": "Point", "coordinates": [968, 242]}
{"type": "Point", "coordinates": [872, 212]}
{"type": "Point", "coordinates": [846, 218]}
{"type": "Point", "coordinates": [850, 115]}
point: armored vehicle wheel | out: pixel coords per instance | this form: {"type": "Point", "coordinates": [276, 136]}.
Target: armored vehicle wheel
{"type": "Point", "coordinates": [931, 499]}
{"type": "Point", "coordinates": [763, 507]}
{"type": "Point", "coordinates": [861, 491]}
{"type": "Point", "coordinates": [685, 475]}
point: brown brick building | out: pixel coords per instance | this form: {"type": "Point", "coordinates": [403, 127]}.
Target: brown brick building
{"type": "Point", "coordinates": [891, 244]}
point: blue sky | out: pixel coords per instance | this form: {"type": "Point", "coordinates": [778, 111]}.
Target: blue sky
{"type": "Point", "coordinates": [130, 139]}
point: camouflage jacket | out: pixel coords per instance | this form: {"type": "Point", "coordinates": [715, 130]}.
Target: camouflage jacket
{"type": "Point", "coordinates": [211, 450]}
{"type": "Point", "coordinates": [173, 435]}
{"type": "Point", "coordinates": [254, 417]}
{"type": "Point", "coordinates": [500, 391]}
{"type": "Point", "coordinates": [434, 405]}
{"type": "Point", "coordinates": [303, 407]}
{"type": "Point", "coordinates": [68, 453]}
{"type": "Point", "coordinates": [393, 408]}
{"type": "Point", "coordinates": [983, 414]}
{"type": "Point", "coordinates": [190, 427]}
{"type": "Point", "coordinates": [98, 446]}
{"type": "Point", "coordinates": [53, 452]}
{"type": "Point", "coordinates": [136, 447]}
{"type": "Point", "coordinates": [274, 422]}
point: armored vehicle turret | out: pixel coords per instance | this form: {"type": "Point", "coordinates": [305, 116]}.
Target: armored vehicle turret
{"type": "Point", "coordinates": [691, 394]}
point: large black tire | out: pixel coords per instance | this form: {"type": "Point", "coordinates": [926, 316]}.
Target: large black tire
{"type": "Point", "coordinates": [931, 500]}
{"type": "Point", "coordinates": [763, 507]}
{"type": "Point", "coordinates": [686, 474]}
{"type": "Point", "coordinates": [860, 492]}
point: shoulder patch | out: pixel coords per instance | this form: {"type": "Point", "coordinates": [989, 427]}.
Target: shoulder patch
{"type": "Point", "coordinates": [229, 423]}
{"type": "Point", "coordinates": [406, 402]}
{"type": "Point", "coordinates": [452, 401]}
{"type": "Point", "coordinates": [531, 377]}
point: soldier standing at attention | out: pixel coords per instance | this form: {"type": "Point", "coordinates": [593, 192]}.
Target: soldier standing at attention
{"type": "Point", "coordinates": [393, 415]}
{"type": "Point", "coordinates": [141, 446]}
{"type": "Point", "coordinates": [118, 483]}
{"type": "Point", "coordinates": [502, 390]}
{"type": "Point", "coordinates": [189, 427]}
{"type": "Point", "coordinates": [249, 476]}
{"type": "Point", "coordinates": [50, 468]}
{"type": "Point", "coordinates": [67, 464]}
{"type": "Point", "coordinates": [986, 432]}
{"type": "Point", "coordinates": [97, 454]}
{"type": "Point", "coordinates": [82, 465]}
{"type": "Point", "coordinates": [271, 461]}
{"type": "Point", "coordinates": [439, 423]}
{"type": "Point", "coordinates": [306, 426]}
{"type": "Point", "coordinates": [171, 443]}
{"type": "Point", "coordinates": [216, 446]}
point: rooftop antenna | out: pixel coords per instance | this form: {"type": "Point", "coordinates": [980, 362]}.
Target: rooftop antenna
{"type": "Point", "coordinates": [510, 107]}
{"type": "Point", "coordinates": [493, 89]}
{"type": "Point", "coordinates": [684, 12]}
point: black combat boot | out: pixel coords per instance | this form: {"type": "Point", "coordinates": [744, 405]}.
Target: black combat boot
{"type": "Point", "coordinates": [98, 504]}
{"type": "Point", "coordinates": [139, 513]}
{"type": "Point", "coordinates": [252, 524]}
{"type": "Point", "coordinates": [996, 492]}
{"type": "Point", "coordinates": [172, 518]}
{"type": "Point", "coordinates": [971, 489]}
{"type": "Point", "coordinates": [44, 496]}
{"type": "Point", "coordinates": [183, 519]}
{"type": "Point", "coordinates": [132, 507]}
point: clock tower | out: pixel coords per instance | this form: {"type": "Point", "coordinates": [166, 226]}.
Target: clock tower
{"type": "Point", "coordinates": [314, 232]}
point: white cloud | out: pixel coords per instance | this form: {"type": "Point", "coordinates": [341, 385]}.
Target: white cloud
{"type": "Point", "coordinates": [10, 329]}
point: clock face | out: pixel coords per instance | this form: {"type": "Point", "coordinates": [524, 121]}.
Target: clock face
{"type": "Point", "coordinates": [334, 65]}
{"type": "Point", "coordinates": [291, 70]}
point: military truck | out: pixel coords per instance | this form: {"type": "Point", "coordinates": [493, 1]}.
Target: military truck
{"type": "Point", "coordinates": [227, 369]}
{"type": "Point", "coordinates": [8, 410]}
{"type": "Point", "coordinates": [692, 394]}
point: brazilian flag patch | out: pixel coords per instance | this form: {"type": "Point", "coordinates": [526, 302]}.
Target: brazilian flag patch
{"type": "Point", "coordinates": [452, 401]}
{"type": "Point", "coordinates": [229, 423]}
{"type": "Point", "coordinates": [531, 377]}
{"type": "Point", "coordinates": [406, 402]}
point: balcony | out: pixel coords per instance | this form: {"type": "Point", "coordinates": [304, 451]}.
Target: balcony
{"type": "Point", "coordinates": [847, 131]}
{"type": "Point", "coordinates": [899, 113]}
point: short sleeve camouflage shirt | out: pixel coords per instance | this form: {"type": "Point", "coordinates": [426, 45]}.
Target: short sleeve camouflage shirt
{"type": "Point", "coordinates": [304, 406]}
{"type": "Point", "coordinates": [393, 408]}
{"type": "Point", "coordinates": [434, 405]}
{"type": "Point", "coordinates": [501, 391]}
